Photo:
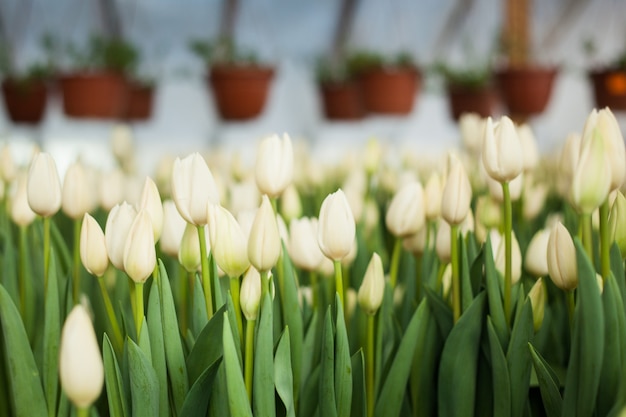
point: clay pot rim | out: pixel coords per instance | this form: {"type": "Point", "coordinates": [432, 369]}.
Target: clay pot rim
{"type": "Point", "coordinates": [241, 70]}
{"type": "Point", "coordinates": [535, 69]}
{"type": "Point", "coordinates": [91, 74]}
{"type": "Point", "coordinates": [463, 88]}
{"type": "Point", "coordinates": [605, 70]}
{"type": "Point", "coordinates": [391, 70]}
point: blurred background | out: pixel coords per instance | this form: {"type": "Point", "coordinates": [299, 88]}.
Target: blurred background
{"type": "Point", "coordinates": [303, 43]}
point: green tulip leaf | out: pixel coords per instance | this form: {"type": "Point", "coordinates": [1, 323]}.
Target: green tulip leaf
{"type": "Point", "coordinates": [309, 400]}
{"type": "Point", "coordinates": [327, 397]}
{"type": "Point", "coordinates": [500, 374]}
{"type": "Point", "coordinates": [466, 284]}
{"type": "Point", "coordinates": [310, 349]}
{"type": "Point", "coordinates": [457, 390]}
{"type": "Point", "coordinates": [177, 371]}
{"type": "Point", "coordinates": [208, 346]}
{"type": "Point", "coordinates": [518, 358]}
{"type": "Point", "coordinates": [263, 402]}
{"type": "Point", "coordinates": [292, 316]}
{"type": "Point", "coordinates": [238, 403]}
{"type": "Point", "coordinates": [28, 396]}
{"type": "Point", "coordinates": [587, 348]}
{"type": "Point", "coordinates": [113, 381]}
{"type": "Point", "coordinates": [389, 400]}
{"type": "Point", "coordinates": [157, 346]}
{"type": "Point", "coordinates": [424, 369]}
{"type": "Point", "coordinates": [283, 375]}
{"type": "Point", "coordinates": [359, 406]}
{"type": "Point", "coordinates": [548, 384]}
{"type": "Point", "coordinates": [197, 401]}
{"type": "Point", "coordinates": [144, 386]}
{"type": "Point", "coordinates": [441, 312]}
{"type": "Point", "coordinates": [617, 267]}
{"type": "Point", "coordinates": [198, 309]}
{"type": "Point", "coordinates": [614, 342]}
{"type": "Point", "coordinates": [343, 364]}
{"type": "Point", "coordinates": [217, 286]}
{"type": "Point", "coordinates": [494, 297]}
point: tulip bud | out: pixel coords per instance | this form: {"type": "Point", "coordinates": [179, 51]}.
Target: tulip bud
{"type": "Point", "coordinates": [457, 193]}
{"type": "Point", "coordinates": [446, 281]}
{"type": "Point", "coordinates": [8, 170]}
{"type": "Point", "coordinates": [44, 185]}
{"type": "Point", "coordinates": [75, 194]}
{"type": "Point", "coordinates": [122, 145]}
{"type": "Point", "coordinates": [530, 152]}
{"type": "Point", "coordinates": [617, 222]}
{"type": "Point", "coordinates": [173, 228]}
{"type": "Point", "coordinates": [538, 296]}
{"type": "Point", "coordinates": [303, 247]}
{"type": "Point", "coordinates": [116, 231]}
{"type": "Point", "coordinates": [502, 151]}
{"type": "Point", "coordinates": [372, 156]}
{"type": "Point", "coordinates": [80, 365]}
{"type": "Point", "coordinates": [536, 261]}
{"type": "Point", "coordinates": [592, 178]}
{"type": "Point", "coordinates": [189, 250]}
{"type": "Point", "coordinates": [516, 259]}
{"type": "Point", "coordinates": [93, 249]}
{"type": "Point", "coordinates": [230, 245]}
{"type": "Point", "coordinates": [405, 215]}
{"type": "Point", "coordinates": [432, 197]}
{"type": "Point", "coordinates": [472, 127]}
{"type": "Point", "coordinates": [21, 213]}
{"type": "Point", "coordinates": [150, 201]}
{"type": "Point", "coordinates": [139, 252]}
{"type": "Point", "coordinates": [562, 258]}
{"type": "Point", "coordinates": [264, 242]}
{"type": "Point", "coordinates": [250, 294]}
{"type": "Point", "coordinates": [534, 200]}
{"type": "Point", "coordinates": [603, 124]}
{"type": "Point", "coordinates": [193, 187]}
{"type": "Point", "coordinates": [567, 164]}
{"type": "Point", "coordinates": [337, 229]}
{"type": "Point", "coordinates": [442, 243]}
{"type": "Point", "coordinates": [274, 165]}
{"type": "Point", "coordinates": [111, 188]}
{"type": "Point", "coordinates": [372, 288]}
{"type": "Point", "coordinates": [290, 204]}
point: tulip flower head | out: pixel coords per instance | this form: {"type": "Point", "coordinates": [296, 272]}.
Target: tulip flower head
{"type": "Point", "coordinates": [372, 288]}
{"type": "Point", "coordinates": [229, 246]}
{"type": "Point", "coordinates": [457, 193]}
{"type": "Point", "coordinates": [405, 215]}
{"type": "Point", "coordinates": [432, 197]}
{"type": "Point", "coordinates": [592, 177]}
{"type": "Point", "coordinates": [274, 165]}
{"type": "Point", "coordinates": [538, 296]}
{"type": "Point", "coordinates": [536, 259]}
{"type": "Point", "coordinates": [80, 364]}
{"type": "Point", "coordinates": [337, 229]}
{"type": "Point", "coordinates": [189, 249]}
{"type": "Point", "coordinates": [116, 231]}
{"type": "Point", "coordinates": [250, 295]}
{"type": "Point", "coordinates": [264, 244]}
{"type": "Point", "coordinates": [173, 228]}
{"type": "Point", "coordinates": [139, 251]}
{"type": "Point", "coordinates": [75, 199]}
{"type": "Point", "coordinates": [93, 249]}
{"type": "Point", "coordinates": [502, 150]}
{"type": "Point", "coordinates": [617, 222]}
{"type": "Point", "coordinates": [193, 187]}
{"type": "Point", "coordinates": [562, 258]}
{"type": "Point", "coordinates": [44, 186]}
{"type": "Point", "coordinates": [150, 201]}
{"type": "Point", "coordinates": [21, 213]}
{"type": "Point", "coordinates": [303, 247]}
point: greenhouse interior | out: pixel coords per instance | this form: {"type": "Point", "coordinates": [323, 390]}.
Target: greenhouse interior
{"type": "Point", "coordinates": [313, 208]}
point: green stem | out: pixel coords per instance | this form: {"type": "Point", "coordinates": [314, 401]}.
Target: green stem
{"type": "Point", "coordinates": [456, 278]}
{"type": "Point", "coordinates": [249, 364]}
{"type": "Point", "coordinates": [46, 252]}
{"type": "Point", "coordinates": [82, 412]}
{"type": "Point", "coordinates": [587, 235]}
{"type": "Point", "coordinates": [569, 296]}
{"type": "Point", "coordinates": [369, 366]}
{"type": "Point", "coordinates": [131, 293]}
{"type": "Point", "coordinates": [22, 271]}
{"type": "Point", "coordinates": [118, 340]}
{"type": "Point", "coordinates": [395, 262]}
{"type": "Point", "coordinates": [508, 242]}
{"type": "Point", "coordinates": [314, 284]}
{"type": "Point", "coordinates": [138, 308]}
{"type": "Point", "coordinates": [339, 283]}
{"type": "Point", "coordinates": [206, 277]}
{"type": "Point", "coordinates": [265, 283]}
{"type": "Point", "coordinates": [605, 240]}
{"type": "Point", "coordinates": [440, 271]}
{"type": "Point", "coordinates": [76, 260]}
{"type": "Point", "coordinates": [234, 293]}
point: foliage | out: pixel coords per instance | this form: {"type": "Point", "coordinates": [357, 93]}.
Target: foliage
{"type": "Point", "coordinates": [361, 61]}
{"type": "Point", "coordinates": [102, 53]}
{"type": "Point", "coordinates": [222, 51]}
{"type": "Point", "coordinates": [475, 77]}
{"type": "Point", "coordinates": [40, 69]}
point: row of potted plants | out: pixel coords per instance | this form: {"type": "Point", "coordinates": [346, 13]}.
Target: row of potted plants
{"type": "Point", "coordinates": [104, 84]}
{"type": "Point", "coordinates": [101, 84]}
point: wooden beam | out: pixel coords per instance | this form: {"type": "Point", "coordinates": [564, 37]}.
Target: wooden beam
{"type": "Point", "coordinates": [229, 17]}
{"type": "Point", "coordinates": [344, 25]}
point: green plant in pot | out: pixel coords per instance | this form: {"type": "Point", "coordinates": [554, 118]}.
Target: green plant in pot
{"type": "Point", "coordinates": [96, 86]}
{"type": "Point", "coordinates": [339, 91]}
{"type": "Point", "coordinates": [469, 89]}
{"type": "Point", "coordinates": [388, 84]}
{"type": "Point", "coordinates": [608, 80]}
{"type": "Point", "coordinates": [239, 81]}
{"type": "Point", "coordinates": [25, 89]}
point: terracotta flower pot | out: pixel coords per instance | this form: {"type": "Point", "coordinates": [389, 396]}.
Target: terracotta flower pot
{"type": "Point", "coordinates": [240, 91]}
{"type": "Point", "coordinates": [526, 91]}
{"type": "Point", "coordinates": [609, 88]}
{"type": "Point", "coordinates": [25, 102]}
{"type": "Point", "coordinates": [342, 101]}
{"type": "Point", "coordinates": [100, 95]}
{"type": "Point", "coordinates": [390, 90]}
{"type": "Point", "coordinates": [463, 99]}
{"type": "Point", "coordinates": [140, 101]}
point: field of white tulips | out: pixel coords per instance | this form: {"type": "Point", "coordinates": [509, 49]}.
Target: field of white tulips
{"type": "Point", "coordinates": [490, 282]}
